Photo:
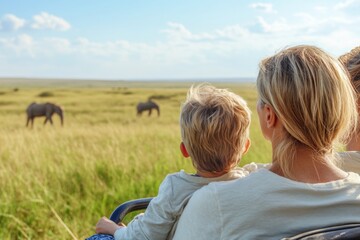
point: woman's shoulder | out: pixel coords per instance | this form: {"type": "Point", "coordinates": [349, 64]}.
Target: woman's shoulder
{"type": "Point", "coordinates": [350, 155]}
{"type": "Point", "coordinates": [350, 161]}
{"type": "Point", "coordinates": [253, 167]}
{"type": "Point", "coordinates": [256, 178]}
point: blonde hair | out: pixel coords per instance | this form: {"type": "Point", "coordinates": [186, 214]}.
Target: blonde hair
{"type": "Point", "coordinates": [311, 94]}
{"type": "Point", "coordinates": [214, 127]}
{"type": "Point", "coordinates": [351, 61]}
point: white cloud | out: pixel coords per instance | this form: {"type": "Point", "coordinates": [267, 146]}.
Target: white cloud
{"type": "Point", "coordinates": [230, 50]}
{"type": "Point", "coordinates": [177, 30]}
{"type": "Point", "coordinates": [279, 25]}
{"type": "Point", "coordinates": [183, 46]}
{"type": "Point", "coordinates": [179, 33]}
{"type": "Point", "coordinates": [85, 46]}
{"type": "Point", "coordinates": [24, 46]}
{"type": "Point", "coordinates": [21, 44]}
{"type": "Point", "coordinates": [321, 8]}
{"type": "Point", "coordinates": [24, 40]}
{"type": "Point", "coordinates": [58, 45]}
{"type": "Point", "coordinates": [10, 22]}
{"type": "Point", "coordinates": [304, 23]}
{"type": "Point", "coordinates": [266, 7]}
{"type": "Point", "coordinates": [45, 20]}
{"type": "Point", "coordinates": [306, 18]}
{"type": "Point", "coordinates": [233, 32]}
{"type": "Point", "coordinates": [343, 4]}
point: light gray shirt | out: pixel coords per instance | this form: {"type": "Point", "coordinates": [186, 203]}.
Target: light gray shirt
{"type": "Point", "coordinates": [264, 205]}
{"type": "Point", "coordinates": [160, 218]}
{"type": "Point", "coordinates": [350, 161]}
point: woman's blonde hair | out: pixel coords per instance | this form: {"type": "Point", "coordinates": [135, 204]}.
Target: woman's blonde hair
{"type": "Point", "coordinates": [214, 127]}
{"type": "Point", "coordinates": [311, 94]}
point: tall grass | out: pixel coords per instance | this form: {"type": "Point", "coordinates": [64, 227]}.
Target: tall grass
{"type": "Point", "coordinates": [56, 182]}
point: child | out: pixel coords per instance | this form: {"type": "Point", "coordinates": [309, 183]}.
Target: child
{"type": "Point", "coordinates": [215, 135]}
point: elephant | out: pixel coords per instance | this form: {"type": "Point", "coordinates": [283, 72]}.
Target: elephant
{"type": "Point", "coordinates": [147, 106]}
{"type": "Point", "coordinates": [43, 109]}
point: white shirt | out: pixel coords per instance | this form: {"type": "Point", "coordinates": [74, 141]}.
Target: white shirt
{"type": "Point", "coordinates": [350, 161]}
{"type": "Point", "coordinates": [264, 205]}
{"type": "Point", "coordinates": [160, 218]}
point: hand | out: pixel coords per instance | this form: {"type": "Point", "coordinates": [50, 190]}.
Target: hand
{"type": "Point", "coordinates": [107, 226]}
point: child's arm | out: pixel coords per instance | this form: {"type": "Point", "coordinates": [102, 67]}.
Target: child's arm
{"type": "Point", "coordinates": [156, 222]}
{"type": "Point", "coordinates": [107, 226]}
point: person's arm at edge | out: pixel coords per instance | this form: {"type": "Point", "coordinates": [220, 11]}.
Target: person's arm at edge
{"type": "Point", "coordinates": [157, 220]}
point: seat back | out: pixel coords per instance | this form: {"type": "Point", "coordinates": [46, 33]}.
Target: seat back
{"type": "Point", "coordinates": [133, 205]}
{"type": "Point", "coordinates": [340, 232]}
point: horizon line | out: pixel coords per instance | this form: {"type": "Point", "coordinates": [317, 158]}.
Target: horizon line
{"type": "Point", "coordinates": [211, 79]}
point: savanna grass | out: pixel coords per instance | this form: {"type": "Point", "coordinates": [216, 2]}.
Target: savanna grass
{"type": "Point", "coordinates": [56, 182]}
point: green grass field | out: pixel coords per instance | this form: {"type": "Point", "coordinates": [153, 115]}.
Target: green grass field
{"type": "Point", "coordinates": [56, 182]}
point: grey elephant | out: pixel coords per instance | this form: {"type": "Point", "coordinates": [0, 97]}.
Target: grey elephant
{"type": "Point", "coordinates": [43, 109]}
{"type": "Point", "coordinates": [147, 106]}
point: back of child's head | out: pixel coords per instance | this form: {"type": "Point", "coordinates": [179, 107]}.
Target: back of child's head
{"type": "Point", "coordinates": [214, 127]}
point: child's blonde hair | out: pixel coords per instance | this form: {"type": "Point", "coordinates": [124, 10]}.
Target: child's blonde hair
{"type": "Point", "coordinates": [214, 127]}
{"type": "Point", "coordinates": [311, 94]}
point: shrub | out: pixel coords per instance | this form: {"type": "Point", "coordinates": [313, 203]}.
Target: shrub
{"type": "Point", "coordinates": [46, 94]}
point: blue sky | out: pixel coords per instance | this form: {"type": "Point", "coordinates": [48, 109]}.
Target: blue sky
{"type": "Point", "coordinates": [165, 39]}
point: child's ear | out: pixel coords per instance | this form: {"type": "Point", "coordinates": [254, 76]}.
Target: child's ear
{"type": "Point", "coordinates": [183, 150]}
{"type": "Point", "coordinates": [247, 146]}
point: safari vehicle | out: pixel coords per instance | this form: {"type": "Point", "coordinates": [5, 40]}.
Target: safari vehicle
{"type": "Point", "coordinates": [339, 232]}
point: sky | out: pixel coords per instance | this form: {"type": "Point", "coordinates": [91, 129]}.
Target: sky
{"type": "Point", "coordinates": [165, 39]}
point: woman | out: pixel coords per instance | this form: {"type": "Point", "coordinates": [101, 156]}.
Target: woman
{"type": "Point", "coordinates": [351, 158]}
{"type": "Point", "coordinates": [306, 103]}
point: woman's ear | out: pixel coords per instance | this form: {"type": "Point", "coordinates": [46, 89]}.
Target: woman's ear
{"type": "Point", "coordinates": [183, 150]}
{"type": "Point", "coordinates": [270, 116]}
